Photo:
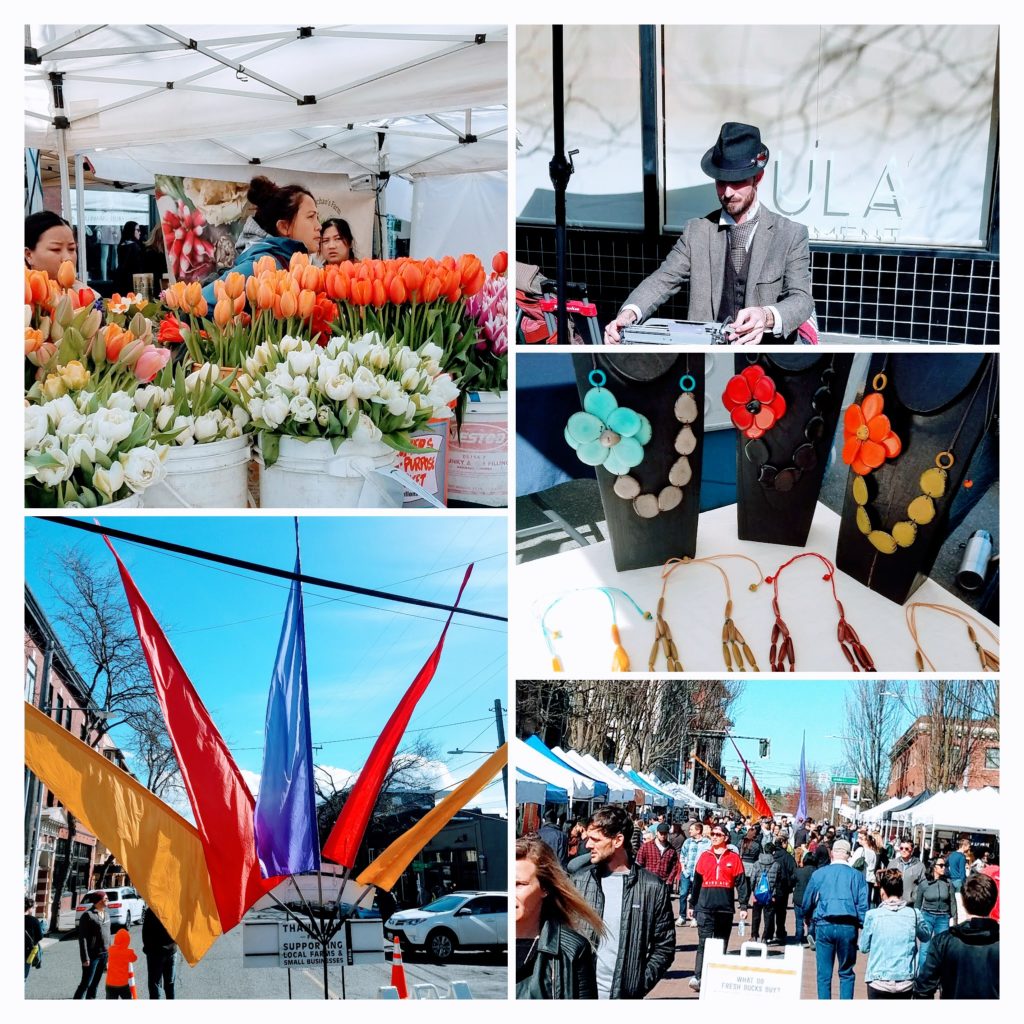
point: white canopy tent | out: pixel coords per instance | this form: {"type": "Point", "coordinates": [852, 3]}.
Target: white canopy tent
{"type": "Point", "coordinates": [220, 101]}
{"type": "Point", "coordinates": [685, 796]}
{"type": "Point", "coordinates": [877, 813]}
{"type": "Point", "coordinates": [618, 791]}
{"type": "Point", "coordinates": [577, 786]}
{"type": "Point", "coordinates": [530, 791]}
{"type": "Point", "coordinates": [970, 810]}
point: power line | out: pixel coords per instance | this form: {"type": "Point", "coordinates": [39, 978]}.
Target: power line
{"type": "Point", "coordinates": [373, 736]}
{"type": "Point", "coordinates": [268, 570]}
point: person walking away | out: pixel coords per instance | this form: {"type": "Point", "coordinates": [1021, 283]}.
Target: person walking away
{"type": "Point", "coordinates": [992, 870]}
{"type": "Point", "coordinates": [161, 953]}
{"type": "Point", "coordinates": [956, 864]}
{"type": "Point", "coordinates": [120, 957]}
{"type": "Point", "coordinates": [836, 901]}
{"type": "Point", "coordinates": [802, 878]}
{"type": "Point", "coordinates": [93, 943]}
{"type": "Point", "coordinates": [763, 894]}
{"type": "Point", "coordinates": [553, 959]}
{"type": "Point", "coordinates": [717, 874]}
{"type": "Point", "coordinates": [638, 942]}
{"type": "Point", "coordinates": [963, 962]}
{"type": "Point", "coordinates": [784, 886]}
{"type": "Point", "coordinates": [551, 834]}
{"type": "Point", "coordinates": [935, 900]}
{"type": "Point", "coordinates": [33, 937]}
{"type": "Point", "coordinates": [911, 868]}
{"type": "Point", "coordinates": [890, 936]}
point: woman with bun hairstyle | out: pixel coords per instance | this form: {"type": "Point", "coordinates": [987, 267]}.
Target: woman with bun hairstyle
{"type": "Point", "coordinates": [288, 215]}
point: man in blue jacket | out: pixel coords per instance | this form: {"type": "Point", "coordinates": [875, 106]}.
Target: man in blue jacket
{"type": "Point", "coordinates": [956, 864]}
{"type": "Point", "coordinates": [836, 900]}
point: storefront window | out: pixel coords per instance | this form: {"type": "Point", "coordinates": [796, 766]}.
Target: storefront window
{"type": "Point", "coordinates": [602, 121]}
{"type": "Point", "coordinates": [878, 134]}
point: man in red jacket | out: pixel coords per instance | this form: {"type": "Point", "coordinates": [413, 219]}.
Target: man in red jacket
{"type": "Point", "coordinates": [717, 873]}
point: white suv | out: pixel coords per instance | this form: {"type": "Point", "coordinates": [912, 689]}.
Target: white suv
{"type": "Point", "coordinates": [460, 920]}
{"type": "Point", "coordinates": [124, 905]}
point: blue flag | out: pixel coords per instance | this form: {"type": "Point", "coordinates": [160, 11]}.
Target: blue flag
{"type": "Point", "coordinates": [286, 832]}
{"type": "Point", "coordinates": [801, 811]}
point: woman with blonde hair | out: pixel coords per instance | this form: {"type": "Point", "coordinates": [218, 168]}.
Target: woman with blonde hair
{"type": "Point", "coordinates": [553, 960]}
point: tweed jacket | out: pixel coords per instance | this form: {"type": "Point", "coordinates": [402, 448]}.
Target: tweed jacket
{"type": "Point", "coordinates": [779, 273]}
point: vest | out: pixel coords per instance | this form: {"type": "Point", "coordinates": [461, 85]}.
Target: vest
{"type": "Point", "coordinates": [734, 288]}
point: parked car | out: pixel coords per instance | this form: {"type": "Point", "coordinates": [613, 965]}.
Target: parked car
{"type": "Point", "coordinates": [459, 920]}
{"type": "Point", "coordinates": [124, 905]}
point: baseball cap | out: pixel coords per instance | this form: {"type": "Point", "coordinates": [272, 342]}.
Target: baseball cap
{"type": "Point", "coordinates": [840, 846]}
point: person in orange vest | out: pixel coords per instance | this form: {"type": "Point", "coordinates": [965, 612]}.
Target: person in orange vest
{"type": "Point", "coordinates": [119, 957]}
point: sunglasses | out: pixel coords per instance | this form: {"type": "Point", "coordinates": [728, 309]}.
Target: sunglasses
{"type": "Point", "coordinates": [940, 863]}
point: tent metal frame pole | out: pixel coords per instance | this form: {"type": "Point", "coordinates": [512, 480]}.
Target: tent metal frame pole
{"type": "Point", "coordinates": [65, 184]}
{"type": "Point", "coordinates": [83, 270]}
{"type": "Point", "coordinates": [397, 69]}
{"type": "Point", "coordinates": [121, 51]}
{"type": "Point", "coordinates": [560, 170]}
{"type": "Point", "coordinates": [408, 37]}
{"type": "Point", "coordinates": [447, 149]}
{"type": "Point", "coordinates": [448, 127]}
{"type": "Point", "coordinates": [58, 44]}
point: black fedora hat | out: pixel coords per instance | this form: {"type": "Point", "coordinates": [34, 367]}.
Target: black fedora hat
{"type": "Point", "coordinates": [738, 154]}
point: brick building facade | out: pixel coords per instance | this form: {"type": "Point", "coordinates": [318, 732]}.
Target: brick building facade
{"type": "Point", "coordinates": [910, 755]}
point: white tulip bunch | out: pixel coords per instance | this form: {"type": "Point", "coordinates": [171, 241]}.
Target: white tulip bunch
{"type": "Point", "coordinates": [81, 454]}
{"type": "Point", "coordinates": [363, 389]}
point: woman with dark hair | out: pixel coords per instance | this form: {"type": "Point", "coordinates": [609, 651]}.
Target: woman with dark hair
{"type": "Point", "coordinates": [750, 851]}
{"type": "Point", "coordinates": [935, 900]}
{"type": "Point", "coordinates": [890, 935]}
{"type": "Point", "coordinates": [287, 213]}
{"type": "Point", "coordinates": [129, 258]}
{"type": "Point", "coordinates": [553, 960]}
{"type": "Point", "coordinates": [336, 245]}
{"type": "Point", "coordinates": [49, 241]}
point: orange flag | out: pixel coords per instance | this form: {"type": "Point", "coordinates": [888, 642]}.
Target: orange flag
{"type": "Point", "coordinates": [384, 872]}
{"type": "Point", "coordinates": [743, 805]}
{"type": "Point", "coordinates": [159, 849]}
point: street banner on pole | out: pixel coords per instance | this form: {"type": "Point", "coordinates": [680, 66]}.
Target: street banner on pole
{"type": "Point", "coordinates": [764, 809]}
{"type": "Point", "coordinates": [743, 805]}
{"type": "Point", "coordinates": [801, 810]}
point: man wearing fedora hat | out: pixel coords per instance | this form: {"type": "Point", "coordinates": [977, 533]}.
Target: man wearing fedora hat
{"type": "Point", "coordinates": [743, 262]}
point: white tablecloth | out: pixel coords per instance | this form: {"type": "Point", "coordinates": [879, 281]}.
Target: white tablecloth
{"type": "Point", "coordinates": [695, 606]}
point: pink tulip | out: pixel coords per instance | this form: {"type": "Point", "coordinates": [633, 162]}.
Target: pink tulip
{"type": "Point", "coordinates": [151, 362]}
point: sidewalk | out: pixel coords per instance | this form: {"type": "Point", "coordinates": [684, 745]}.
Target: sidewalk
{"type": "Point", "coordinates": [65, 925]}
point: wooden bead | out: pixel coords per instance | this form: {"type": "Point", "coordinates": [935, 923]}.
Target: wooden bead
{"type": "Point", "coordinates": [626, 487]}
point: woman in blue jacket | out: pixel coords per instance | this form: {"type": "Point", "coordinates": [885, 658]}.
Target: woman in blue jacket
{"type": "Point", "coordinates": [287, 213]}
{"type": "Point", "coordinates": [890, 936]}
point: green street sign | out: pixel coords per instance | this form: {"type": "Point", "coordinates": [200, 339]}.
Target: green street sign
{"type": "Point", "coordinates": [839, 780]}
{"type": "Point", "coordinates": [419, 865]}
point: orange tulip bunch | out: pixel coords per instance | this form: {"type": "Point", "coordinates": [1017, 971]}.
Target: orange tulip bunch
{"type": "Point", "coordinates": [43, 295]}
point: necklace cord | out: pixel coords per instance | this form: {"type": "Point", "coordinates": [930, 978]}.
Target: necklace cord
{"type": "Point", "coordinates": [989, 660]}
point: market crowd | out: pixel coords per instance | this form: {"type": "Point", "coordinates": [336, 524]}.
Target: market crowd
{"type": "Point", "coordinates": [595, 912]}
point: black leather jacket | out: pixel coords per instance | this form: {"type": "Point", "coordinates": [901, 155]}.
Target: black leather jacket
{"type": "Point", "coordinates": [563, 967]}
{"type": "Point", "coordinates": [647, 941]}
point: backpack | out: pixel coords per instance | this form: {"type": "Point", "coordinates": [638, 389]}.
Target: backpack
{"type": "Point", "coordinates": [763, 889]}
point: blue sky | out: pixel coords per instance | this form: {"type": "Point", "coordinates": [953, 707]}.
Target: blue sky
{"type": "Point", "coordinates": [782, 710]}
{"type": "Point", "coordinates": [224, 624]}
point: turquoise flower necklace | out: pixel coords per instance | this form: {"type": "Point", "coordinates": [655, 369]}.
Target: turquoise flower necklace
{"type": "Point", "coordinates": [613, 436]}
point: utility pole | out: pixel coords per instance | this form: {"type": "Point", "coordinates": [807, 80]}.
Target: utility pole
{"type": "Point", "coordinates": [500, 725]}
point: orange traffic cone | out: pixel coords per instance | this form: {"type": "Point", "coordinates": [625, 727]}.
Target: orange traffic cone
{"type": "Point", "coordinates": [398, 972]}
{"type": "Point", "coordinates": [131, 982]}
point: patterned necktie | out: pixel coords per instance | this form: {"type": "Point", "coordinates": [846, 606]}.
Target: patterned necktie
{"type": "Point", "coordinates": [739, 235]}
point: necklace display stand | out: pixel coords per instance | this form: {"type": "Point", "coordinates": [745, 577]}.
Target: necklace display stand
{"type": "Point", "coordinates": [767, 514]}
{"type": "Point", "coordinates": [935, 403]}
{"type": "Point", "coordinates": [649, 383]}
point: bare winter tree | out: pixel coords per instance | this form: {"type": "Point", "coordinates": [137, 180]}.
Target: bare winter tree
{"type": "Point", "coordinates": [873, 714]}
{"type": "Point", "coordinates": [98, 633]}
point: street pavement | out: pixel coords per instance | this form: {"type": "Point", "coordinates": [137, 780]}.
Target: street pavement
{"type": "Point", "coordinates": [675, 984]}
{"type": "Point", "coordinates": [220, 974]}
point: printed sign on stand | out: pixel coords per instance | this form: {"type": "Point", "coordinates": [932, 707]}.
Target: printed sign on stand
{"type": "Point", "coordinates": [750, 972]}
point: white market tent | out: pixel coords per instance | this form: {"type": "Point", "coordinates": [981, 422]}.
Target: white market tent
{"type": "Point", "coordinates": [618, 791]}
{"type": "Point", "coordinates": [684, 795]}
{"type": "Point", "coordinates": [878, 812]}
{"type": "Point", "coordinates": [530, 791]}
{"type": "Point", "coordinates": [221, 101]}
{"type": "Point", "coordinates": [968, 810]}
{"type": "Point", "coordinates": [577, 786]}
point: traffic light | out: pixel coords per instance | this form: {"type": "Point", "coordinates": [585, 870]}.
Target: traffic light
{"type": "Point", "coordinates": [765, 747]}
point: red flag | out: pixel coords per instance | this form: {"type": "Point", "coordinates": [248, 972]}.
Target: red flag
{"type": "Point", "coordinates": [347, 835]}
{"type": "Point", "coordinates": [761, 805]}
{"type": "Point", "coordinates": [220, 799]}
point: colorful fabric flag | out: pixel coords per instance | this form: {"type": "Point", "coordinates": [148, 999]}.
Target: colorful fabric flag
{"type": "Point", "coordinates": [764, 809]}
{"type": "Point", "coordinates": [743, 805]}
{"type": "Point", "coordinates": [801, 809]}
{"type": "Point", "coordinates": [221, 801]}
{"type": "Point", "coordinates": [385, 871]}
{"type": "Point", "coordinates": [159, 849]}
{"type": "Point", "coordinates": [287, 841]}
{"type": "Point", "coordinates": [347, 835]}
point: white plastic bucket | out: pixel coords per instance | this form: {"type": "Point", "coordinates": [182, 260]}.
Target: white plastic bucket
{"type": "Point", "coordinates": [478, 457]}
{"type": "Point", "coordinates": [132, 501]}
{"type": "Point", "coordinates": [310, 474]}
{"type": "Point", "coordinates": [210, 475]}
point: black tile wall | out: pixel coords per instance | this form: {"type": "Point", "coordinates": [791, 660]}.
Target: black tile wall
{"type": "Point", "coordinates": [885, 296]}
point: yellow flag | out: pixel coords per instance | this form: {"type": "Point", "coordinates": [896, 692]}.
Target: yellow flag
{"type": "Point", "coordinates": [744, 806]}
{"type": "Point", "coordinates": [159, 849]}
{"type": "Point", "coordinates": [387, 868]}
